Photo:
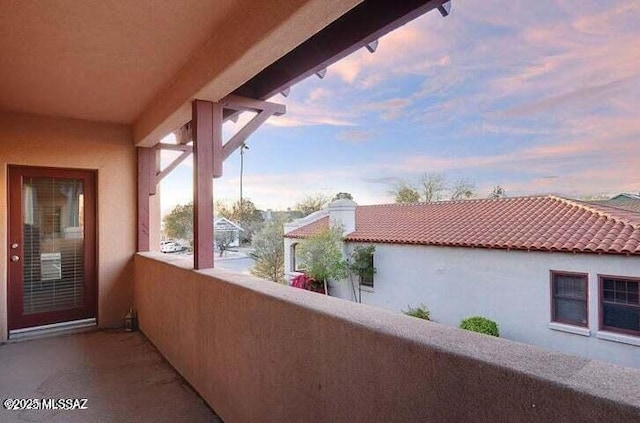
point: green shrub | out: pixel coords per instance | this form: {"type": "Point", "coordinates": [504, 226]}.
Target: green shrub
{"type": "Point", "coordinates": [421, 312]}
{"type": "Point", "coordinates": [481, 325]}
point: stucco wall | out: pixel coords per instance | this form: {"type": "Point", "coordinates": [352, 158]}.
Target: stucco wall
{"type": "Point", "coordinates": [510, 287]}
{"type": "Point", "coordinates": [44, 141]}
{"type": "Point", "coordinates": [262, 352]}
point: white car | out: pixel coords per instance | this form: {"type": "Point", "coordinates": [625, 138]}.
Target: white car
{"type": "Point", "coordinates": [170, 247]}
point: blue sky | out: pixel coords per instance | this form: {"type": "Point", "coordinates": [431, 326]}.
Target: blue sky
{"type": "Point", "coordinates": [539, 97]}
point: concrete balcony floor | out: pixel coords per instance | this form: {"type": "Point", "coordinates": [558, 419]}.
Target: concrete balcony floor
{"type": "Point", "coordinates": [123, 376]}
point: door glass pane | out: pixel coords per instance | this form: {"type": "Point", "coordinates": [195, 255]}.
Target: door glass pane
{"type": "Point", "coordinates": [53, 237]}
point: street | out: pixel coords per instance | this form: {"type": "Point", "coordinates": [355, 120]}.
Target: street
{"type": "Point", "coordinates": [234, 264]}
{"type": "Point", "coordinates": [233, 261]}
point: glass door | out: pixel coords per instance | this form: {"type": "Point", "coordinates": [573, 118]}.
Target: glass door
{"type": "Point", "coordinates": [52, 244]}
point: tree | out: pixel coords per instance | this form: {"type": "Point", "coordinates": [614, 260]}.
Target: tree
{"type": "Point", "coordinates": [322, 256]}
{"type": "Point", "coordinates": [432, 185]}
{"type": "Point", "coordinates": [179, 222]}
{"type": "Point", "coordinates": [463, 188]}
{"type": "Point", "coordinates": [404, 192]}
{"type": "Point", "coordinates": [268, 244]}
{"type": "Point", "coordinates": [224, 239]}
{"type": "Point", "coordinates": [498, 192]}
{"type": "Point", "coordinates": [312, 203]}
{"type": "Point", "coordinates": [407, 194]}
{"type": "Point", "coordinates": [237, 212]}
{"type": "Point", "coordinates": [343, 196]}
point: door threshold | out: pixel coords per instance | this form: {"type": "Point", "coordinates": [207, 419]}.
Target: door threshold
{"type": "Point", "coordinates": [53, 329]}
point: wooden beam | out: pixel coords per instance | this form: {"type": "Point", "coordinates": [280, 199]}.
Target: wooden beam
{"type": "Point", "coordinates": [167, 170]}
{"type": "Point", "coordinates": [241, 136]}
{"type": "Point", "coordinates": [202, 126]}
{"type": "Point", "coordinates": [153, 170]}
{"type": "Point", "coordinates": [236, 104]}
{"type": "Point", "coordinates": [216, 170]}
{"type": "Point", "coordinates": [366, 22]}
{"type": "Point", "coordinates": [232, 105]}
{"type": "Point", "coordinates": [175, 147]}
{"type": "Point", "coordinates": [146, 162]}
{"type": "Point", "coordinates": [183, 134]}
{"type": "Point", "coordinates": [239, 103]}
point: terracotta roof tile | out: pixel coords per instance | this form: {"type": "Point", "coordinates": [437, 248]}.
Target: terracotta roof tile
{"type": "Point", "coordinates": [310, 229]}
{"type": "Point", "coordinates": [543, 223]}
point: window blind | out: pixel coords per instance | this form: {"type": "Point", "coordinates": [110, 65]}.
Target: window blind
{"type": "Point", "coordinates": [53, 244]}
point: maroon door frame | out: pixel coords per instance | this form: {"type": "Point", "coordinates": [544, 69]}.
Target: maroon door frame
{"type": "Point", "coordinates": [16, 318]}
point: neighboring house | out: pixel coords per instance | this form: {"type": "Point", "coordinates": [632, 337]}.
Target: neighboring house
{"type": "Point", "coordinates": [629, 202]}
{"type": "Point", "coordinates": [558, 273]}
{"type": "Point", "coordinates": [222, 224]}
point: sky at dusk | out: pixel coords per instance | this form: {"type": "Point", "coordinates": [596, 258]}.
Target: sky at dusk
{"type": "Point", "coordinates": [538, 97]}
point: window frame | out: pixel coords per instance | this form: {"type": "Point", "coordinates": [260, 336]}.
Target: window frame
{"type": "Point", "coordinates": [294, 262]}
{"type": "Point", "coordinates": [585, 276]}
{"type": "Point", "coordinates": [369, 285]}
{"type": "Point", "coordinates": [601, 301]}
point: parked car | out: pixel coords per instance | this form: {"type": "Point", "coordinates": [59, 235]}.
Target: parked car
{"type": "Point", "coordinates": [170, 247]}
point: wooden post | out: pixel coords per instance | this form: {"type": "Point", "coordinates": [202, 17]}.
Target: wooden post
{"type": "Point", "coordinates": [203, 124]}
{"type": "Point", "coordinates": [146, 168]}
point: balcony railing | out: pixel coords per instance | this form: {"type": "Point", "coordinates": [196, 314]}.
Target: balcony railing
{"type": "Point", "coordinates": [259, 351]}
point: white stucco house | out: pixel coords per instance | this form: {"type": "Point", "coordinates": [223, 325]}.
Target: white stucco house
{"type": "Point", "coordinates": [558, 273]}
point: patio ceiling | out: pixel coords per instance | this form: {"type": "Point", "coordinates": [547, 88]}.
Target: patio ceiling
{"type": "Point", "coordinates": [138, 61]}
{"type": "Point", "coordinates": [97, 60]}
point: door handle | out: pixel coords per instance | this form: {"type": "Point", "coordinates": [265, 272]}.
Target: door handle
{"type": "Point", "coordinates": [15, 258]}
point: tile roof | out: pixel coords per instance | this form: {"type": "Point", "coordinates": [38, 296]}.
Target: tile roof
{"type": "Point", "coordinates": [310, 229]}
{"type": "Point", "coordinates": [543, 223]}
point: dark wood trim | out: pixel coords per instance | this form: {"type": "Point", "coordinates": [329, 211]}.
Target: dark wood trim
{"type": "Point", "coordinates": [203, 150]}
{"type": "Point", "coordinates": [552, 274]}
{"type": "Point", "coordinates": [16, 317]}
{"type": "Point", "coordinates": [360, 26]}
{"type": "Point", "coordinates": [601, 324]}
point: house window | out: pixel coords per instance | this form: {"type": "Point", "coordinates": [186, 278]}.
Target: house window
{"type": "Point", "coordinates": [296, 260]}
{"type": "Point", "coordinates": [366, 276]}
{"type": "Point", "coordinates": [619, 304]}
{"type": "Point", "coordinates": [569, 298]}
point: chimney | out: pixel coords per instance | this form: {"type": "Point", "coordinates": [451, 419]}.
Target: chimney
{"type": "Point", "coordinates": [343, 212]}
